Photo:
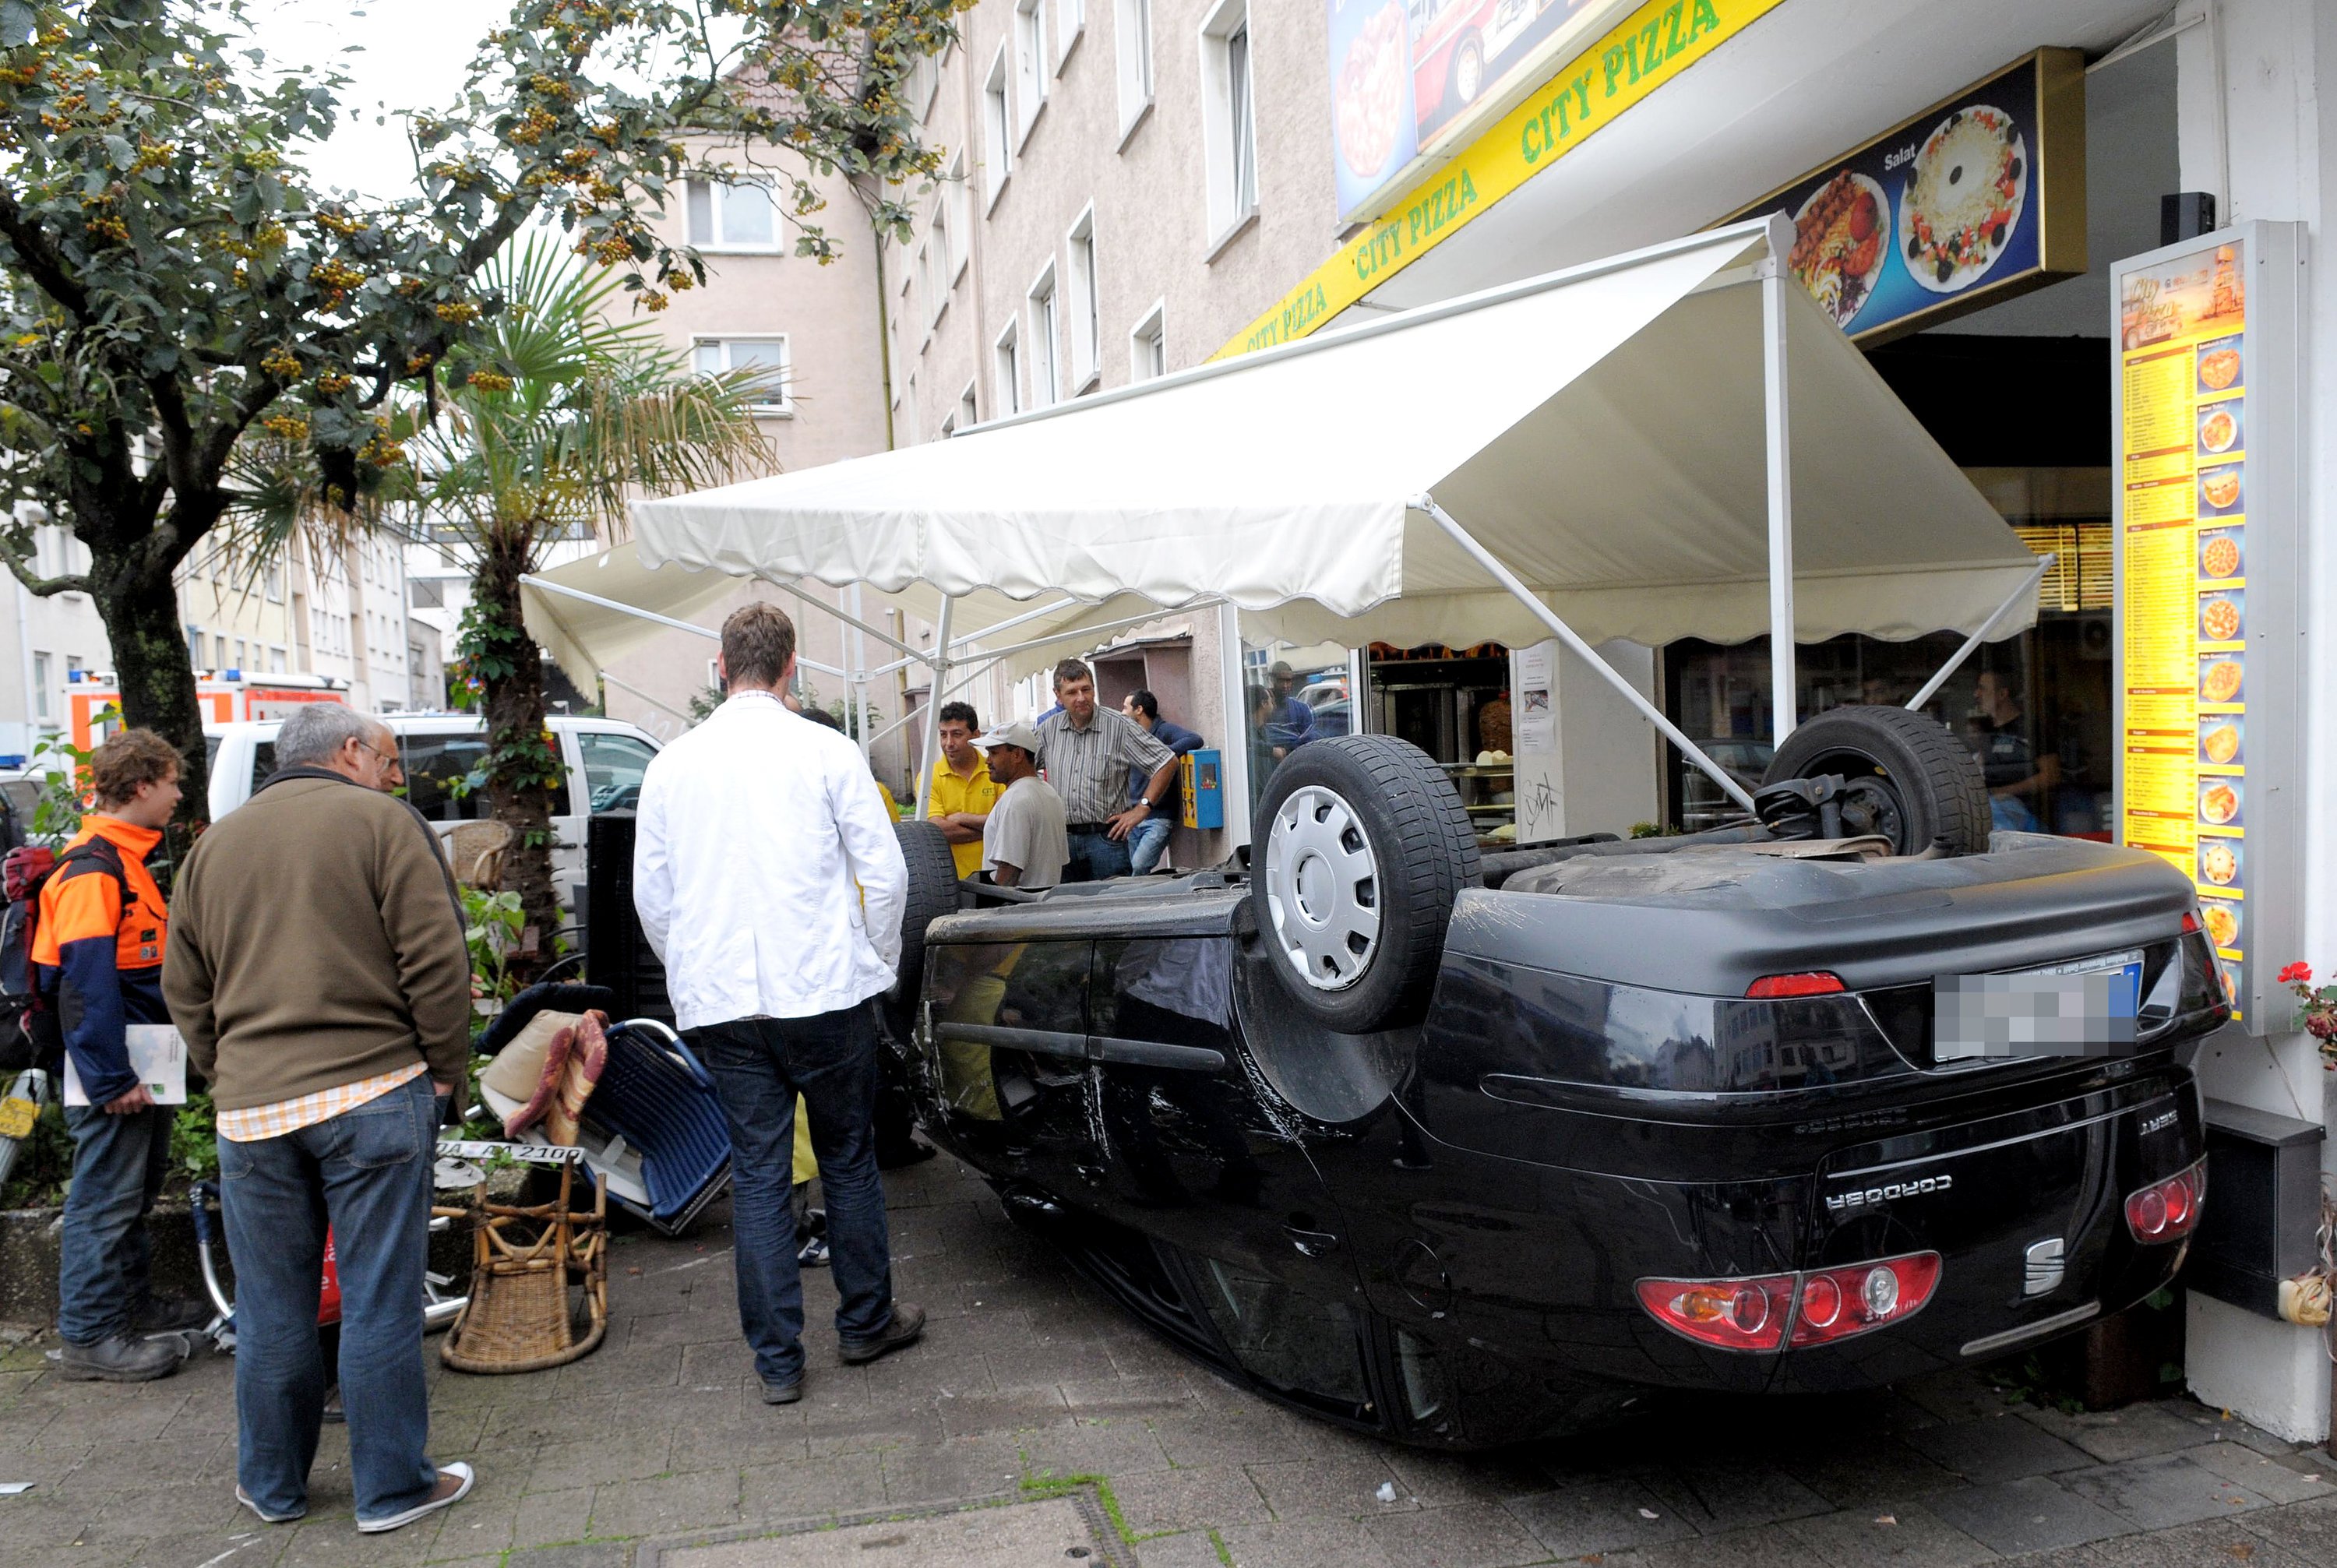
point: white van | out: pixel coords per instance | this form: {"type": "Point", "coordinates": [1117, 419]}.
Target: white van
{"type": "Point", "coordinates": [605, 759]}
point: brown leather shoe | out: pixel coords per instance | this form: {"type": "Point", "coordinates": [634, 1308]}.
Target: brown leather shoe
{"type": "Point", "coordinates": [908, 1323]}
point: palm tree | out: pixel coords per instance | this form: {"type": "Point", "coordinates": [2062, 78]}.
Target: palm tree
{"type": "Point", "coordinates": [564, 412]}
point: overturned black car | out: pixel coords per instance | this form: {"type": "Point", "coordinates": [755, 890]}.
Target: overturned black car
{"type": "Point", "coordinates": [1466, 1150]}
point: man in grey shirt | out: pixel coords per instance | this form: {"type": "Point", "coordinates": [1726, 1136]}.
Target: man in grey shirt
{"type": "Point", "coordinates": [1022, 842]}
{"type": "Point", "coordinates": [1087, 752]}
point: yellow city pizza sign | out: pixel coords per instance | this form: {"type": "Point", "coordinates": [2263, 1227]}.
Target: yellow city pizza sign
{"type": "Point", "coordinates": [1650, 48]}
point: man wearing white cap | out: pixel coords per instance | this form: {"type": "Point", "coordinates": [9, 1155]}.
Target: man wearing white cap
{"type": "Point", "coordinates": [1024, 843]}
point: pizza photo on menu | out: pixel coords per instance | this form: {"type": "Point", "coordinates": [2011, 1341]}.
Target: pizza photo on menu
{"type": "Point", "coordinates": [2219, 862]}
{"type": "Point", "coordinates": [2222, 922]}
{"type": "Point", "coordinates": [2220, 615]}
{"type": "Point", "coordinates": [2219, 365]}
{"type": "Point", "coordinates": [2219, 552]}
{"type": "Point", "coordinates": [2219, 428]}
{"type": "Point", "coordinates": [2220, 680]}
{"type": "Point", "coordinates": [2219, 738]}
{"type": "Point", "coordinates": [2219, 802]}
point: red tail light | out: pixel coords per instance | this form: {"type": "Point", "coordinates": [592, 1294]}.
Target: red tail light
{"type": "Point", "coordinates": [1734, 1314]}
{"type": "Point", "coordinates": [2168, 1210]}
{"type": "Point", "coordinates": [1837, 1303]}
{"type": "Point", "coordinates": [2190, 922]}
{"type": "Point", "coordinates": [1814, 982]}
{"type": "Point", "coordinates": [1815, 1308]}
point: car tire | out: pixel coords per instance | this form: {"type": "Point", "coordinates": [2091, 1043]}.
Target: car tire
{"type": "Point", "coordinates": [1910, 779]}
{"type": "Point", "coordinates": [933, 893]}
{"type": "Point", "coordinates": [1359, 847]}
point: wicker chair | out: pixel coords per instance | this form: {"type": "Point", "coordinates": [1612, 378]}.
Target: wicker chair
{"type": "Point", "coordinates": [539, 1282]}
{"type": "Point", "coordinates": [477, 849]}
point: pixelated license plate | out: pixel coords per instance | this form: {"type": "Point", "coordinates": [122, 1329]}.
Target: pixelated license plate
{"type": "Point", "coordinates": [2082, 1007]}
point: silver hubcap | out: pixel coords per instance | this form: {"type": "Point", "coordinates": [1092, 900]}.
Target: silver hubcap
{"type": "Point", "coordinates": [1321, 888]}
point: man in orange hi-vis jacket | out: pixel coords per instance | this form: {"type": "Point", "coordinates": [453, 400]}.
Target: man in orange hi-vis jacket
{"type": "Point", "coordinates": [98, 945]}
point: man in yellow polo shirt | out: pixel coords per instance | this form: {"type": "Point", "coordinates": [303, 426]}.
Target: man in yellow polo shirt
{"type": "Point", "coordinates": [962, 791]}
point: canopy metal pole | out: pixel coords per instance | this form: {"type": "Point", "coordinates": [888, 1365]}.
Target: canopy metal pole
{"type": "Point", "coordinates": [849, 620]}
{"type": "Point", "coordinates": [1955, 661]}
{"type": "Point", "coordinates": [957, 685]}
{"type": "Point", "coordinates": [1067, 634]}
{"type": "Point", "coordinates": [652, 702]}
{"type": "Point", "coordinates": [1567, 634]}
{"type": "Point", "coordinates": [547, 586]}
{"type": "Point", "coordinates": [932, 725]}
{"type": "Point", "coordinates": [1014, 621]}
{"type": "Point", "coordinates": [857, 695]}
{"type": "Point", "coordinates": [1784, 709]}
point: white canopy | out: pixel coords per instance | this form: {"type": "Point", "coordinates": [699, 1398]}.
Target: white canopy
{"type": "Point", "coordinates": [1600, 430]}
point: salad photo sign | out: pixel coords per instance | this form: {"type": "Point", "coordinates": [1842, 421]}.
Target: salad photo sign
{"type": "Point", "coordinates": [1980, 197]}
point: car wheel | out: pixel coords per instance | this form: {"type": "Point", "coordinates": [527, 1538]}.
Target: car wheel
{"type": "Point", "coordinates": [1358, 849]}
{"type": "Point", "coordinates": [1908, 777]}
{"type": "Point", "coordinates": [933, 893]}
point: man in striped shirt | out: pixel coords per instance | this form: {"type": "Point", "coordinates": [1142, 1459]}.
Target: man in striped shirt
{"type": "Point", "coordinates": [1086, 753]}
{"type": "Point", "coordinates": [317, 971]}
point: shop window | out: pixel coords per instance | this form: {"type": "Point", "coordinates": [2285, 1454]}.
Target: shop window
{"type": "Point", "coordinates": [1292, 696]}
{"type": "Point", "coordinates": [1147, 347]}
{"type": "Point", "coordinates": [1135, 29]}
{"type": "Point", "coordinates": [733, 215]}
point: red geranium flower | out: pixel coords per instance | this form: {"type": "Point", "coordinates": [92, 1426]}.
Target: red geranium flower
{"type": "Point", "coordinates": [2296, 974]}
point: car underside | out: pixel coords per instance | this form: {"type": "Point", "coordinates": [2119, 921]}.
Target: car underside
{"type": "Point", "coordinates": [1470, 1151]}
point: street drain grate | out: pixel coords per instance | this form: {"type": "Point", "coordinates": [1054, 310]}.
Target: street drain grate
{"type": "Point", "coordinates": [1065, 1531]}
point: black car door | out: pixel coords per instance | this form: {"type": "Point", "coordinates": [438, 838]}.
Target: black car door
{"type": "Point", "coordinates": [1200, 1155]}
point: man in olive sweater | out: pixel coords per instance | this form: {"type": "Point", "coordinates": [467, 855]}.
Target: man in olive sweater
{"type": "Point", "coordinates": [318, 972]}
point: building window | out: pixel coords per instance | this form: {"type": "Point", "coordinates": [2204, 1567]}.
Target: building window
{"type": "Point", "coordinates": [953, 195]}
{"type": "Point", "coordinates": [195, 646]}
{"type": "Point", "coordinates": [1135, 29]}
{"type": "Point", "coordinates": [1229, 119]}
{"type": "Point", "coordinates": [1046, 375]}
{"type": "Point", "coordinates": [924, 85]}
{"type": "Point", "coordinates": [1148, 348]}
{"type": "Point", "coordinates": [276, 661]}
{"type": "Point", "coordinates": [997, 129]}
{"type": "Point", "coordinates": [1071, 17]}
{"type": "Point", "coordinates": [738, 216]}
{"type": "Point", "coordinates": [1007, 361]}
{"type": "Point", "coordinates": [968, 414]}
{"type": "Point", "coordinates": [238, 655]}
{"type": "Point", "coordinates": [1030, 60]}
{"type": "Point", "coordinates": [41, 698]}
{"type": "Point", "coordinates": [1086, 305]}
{"type": "Point", "coordinates": [936, 269]}
{"type": "Point", "coordinates": [765, 357]}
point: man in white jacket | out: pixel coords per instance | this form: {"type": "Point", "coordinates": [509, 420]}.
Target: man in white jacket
{"type": "Point", "coordinates": [767, 877]}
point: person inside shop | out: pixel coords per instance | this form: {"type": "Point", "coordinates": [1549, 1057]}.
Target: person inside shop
{"type": "Point", "coordinates": [1291, 714]}
{"type": "Point", "coordinates": [1024, 843]}
{"type": "Point", "coordinates": [1882, 692]}
{"type": "Point", "coordinates": [2019, 781]}
{"type": "Point", "coordinates": [1086, 753]}
{"type": "Point", "coordinates": [964, 791]}
{"type": "Point", "coordinates": [1150, 838]}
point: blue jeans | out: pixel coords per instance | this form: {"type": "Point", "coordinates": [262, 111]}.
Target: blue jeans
{"type": "Point", "coordinates": [1095, 857]}
{"type": "Point", "coordinates": [366, 1173]}
{"type": "Point", "coordinates": [1148, 843]}
{"type": "Point", "coordinates": [105, 1254]}
{"type": "Point", "coordinates": [759, 1066]}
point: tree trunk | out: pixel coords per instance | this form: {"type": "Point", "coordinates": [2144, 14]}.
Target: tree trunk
{"type": "Point", "coordinates": [157, 678]}
{"type": "Point", "coordinates": [522, 776]}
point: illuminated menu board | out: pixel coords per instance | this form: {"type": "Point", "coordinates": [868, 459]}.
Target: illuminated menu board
{"type": "Point", "coordinates": [2194, 732]}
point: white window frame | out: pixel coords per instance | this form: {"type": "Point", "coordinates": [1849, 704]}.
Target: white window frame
{"type": "Point", "coordinates": [1133, 20]}
{"type": "Point", "coordinates": [1071, 26]}
{"type": "Point", "coordinates": [924, 85]}
{"type": "Point", "coordinates": [785, 408]}
{"type": "Point", "coordinates": [1149, 340]}
{"type": "Point", "coordinates": [955, 195]}
{"type": "Point", "coordinates": [1084, 324]}
{"type": "Point", "coordinates": [1006, 370]}
{"type": "Point", "coordinates": [969, 407]}
{"type": "Point", "coordinates": [717, 192]}
{"type": "Point", "coordinates": [1031, 67]}
{"type": "Point", "coordinates": [1046, 305]}
{"type": "Point", "coordinates": [998, 138]}
{"type": "Point", "coordinates": [1230, 205]}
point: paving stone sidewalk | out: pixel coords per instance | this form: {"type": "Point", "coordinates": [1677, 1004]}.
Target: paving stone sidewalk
{"type": "Point", "coordinates": [656, 1452]}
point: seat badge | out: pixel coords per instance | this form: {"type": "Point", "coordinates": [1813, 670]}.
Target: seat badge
{"type": "Point", "coordinates": [2043, 1261]}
